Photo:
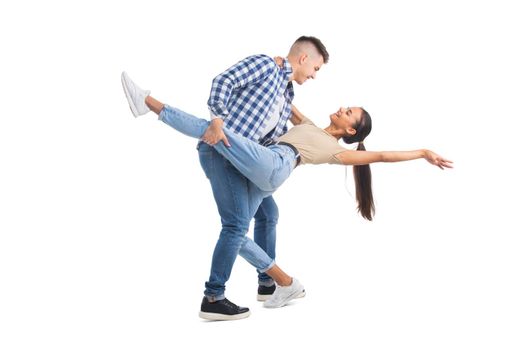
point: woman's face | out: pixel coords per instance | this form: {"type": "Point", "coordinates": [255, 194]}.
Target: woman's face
{"type": "Point", "coordinates": [346, 118]}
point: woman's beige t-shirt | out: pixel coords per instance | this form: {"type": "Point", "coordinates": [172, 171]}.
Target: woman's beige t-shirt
{"type": "Point", "coordinates": [315, 145]}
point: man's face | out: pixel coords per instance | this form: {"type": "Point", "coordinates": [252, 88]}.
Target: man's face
{"type": "Point", "coordinates": [308, 67]}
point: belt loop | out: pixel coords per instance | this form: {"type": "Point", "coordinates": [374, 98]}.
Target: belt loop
{"type": "Point", "coordinates": [297, 155]}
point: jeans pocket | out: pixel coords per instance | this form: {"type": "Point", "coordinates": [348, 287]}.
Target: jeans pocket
{"type": "Point", "coordinates": [280, 173]}
{"type": "Point", "coordinates": [205, 158]}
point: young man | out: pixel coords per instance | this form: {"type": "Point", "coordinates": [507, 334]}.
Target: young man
{"type": "Point", "coordinates": [252, 98]}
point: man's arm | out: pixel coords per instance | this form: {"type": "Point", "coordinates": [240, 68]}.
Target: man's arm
{"type": "Point", "coordinates": [248, 71]}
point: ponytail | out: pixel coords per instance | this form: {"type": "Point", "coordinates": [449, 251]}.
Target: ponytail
{"type": "Point", "coordinates": [362, 173]}
{"type": "Point", "coordinates": [363, 188]}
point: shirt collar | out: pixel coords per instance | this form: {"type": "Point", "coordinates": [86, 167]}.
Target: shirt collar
{"type": "Point", "coordinates": [287, 69]}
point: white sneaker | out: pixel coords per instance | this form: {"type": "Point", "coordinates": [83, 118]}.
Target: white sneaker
{"type": "Point", "coordinates": [283, 295]}
{"type": "Point", "coordinates": [135, 95]}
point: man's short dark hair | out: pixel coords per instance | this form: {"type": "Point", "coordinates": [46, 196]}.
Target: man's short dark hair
{"type": "Point", "coordinates": [318, 45]}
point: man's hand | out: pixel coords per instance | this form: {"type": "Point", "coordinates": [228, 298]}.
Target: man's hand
{"type": "Point", "coordinates": [214, 133]}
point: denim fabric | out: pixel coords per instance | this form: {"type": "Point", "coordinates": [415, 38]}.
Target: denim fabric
{"type": "Point", "coordinates": [241, 176]}
{"type": "Point", "coordinates": [267, 167]}
{"type": "Point", "coordinates": [265, 232]}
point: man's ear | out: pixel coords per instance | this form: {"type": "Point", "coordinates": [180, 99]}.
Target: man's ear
{"type": "Point", "coordinates": [303, 58]}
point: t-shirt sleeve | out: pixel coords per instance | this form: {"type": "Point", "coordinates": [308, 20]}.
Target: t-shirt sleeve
{"type": "Point", "coordinates": [307, 121]}
{"type": "Point", "coordinates": [336, 150]}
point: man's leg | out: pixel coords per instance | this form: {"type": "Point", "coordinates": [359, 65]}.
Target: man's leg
{"type": "Point", "coordinates": [265, 232]}
{"type": "Point", "coordinates": [231, 193]}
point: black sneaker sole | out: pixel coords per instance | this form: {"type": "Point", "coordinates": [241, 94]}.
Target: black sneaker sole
{"type": "Point", "coordinates": [213, 316]}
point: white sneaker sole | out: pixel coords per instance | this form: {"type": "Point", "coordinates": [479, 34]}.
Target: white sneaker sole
{"type": "Point", "coordinates": [211, 316]}
{"type": "Point", "coordinates": [128, 97]}
{"type": "Point", "coordinates": [264, 297]}
{"type": "Point", "coordinates": [286, 301]}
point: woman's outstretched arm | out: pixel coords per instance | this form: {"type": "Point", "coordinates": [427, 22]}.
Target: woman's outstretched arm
{"type": "Point", "coordinates": [366, 157]}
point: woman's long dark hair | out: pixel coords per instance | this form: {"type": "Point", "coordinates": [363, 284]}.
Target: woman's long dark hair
{"type": "Point", "coordinates": [362, 173]}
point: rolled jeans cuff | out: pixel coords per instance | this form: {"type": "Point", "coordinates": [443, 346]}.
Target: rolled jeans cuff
{"type": "Point", "coordinates": [214, 298]}
{"type": "Point", "coordinates": [267, 268]}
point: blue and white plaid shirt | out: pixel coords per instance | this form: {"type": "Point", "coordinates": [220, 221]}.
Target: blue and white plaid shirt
{"type": "Point", "coordinates": [245, 95]}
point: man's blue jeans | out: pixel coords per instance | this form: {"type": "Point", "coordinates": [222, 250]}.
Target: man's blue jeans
{"type": "Point", "coordinates": [238, 199]}
{"type": "Point", "coordinates": [265, 232]}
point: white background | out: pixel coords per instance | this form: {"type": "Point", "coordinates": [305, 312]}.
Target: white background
{"type": "Point", "coordinates": [107, 223]}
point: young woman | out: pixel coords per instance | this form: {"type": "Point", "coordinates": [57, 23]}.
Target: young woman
{"type": "Point", "coordinates": [268, 166]}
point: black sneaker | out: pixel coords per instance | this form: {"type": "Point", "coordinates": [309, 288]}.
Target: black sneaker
{"type": "Point", "coordinates": [264, 293]}
{"type": "Point", "coordinates": [222, 310]}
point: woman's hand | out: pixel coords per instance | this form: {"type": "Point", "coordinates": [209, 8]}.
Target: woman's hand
{"type": "Point", "coordinates": [297, 117]}
{"type": "Point", "coordinates": [279, 61]}
{"type": "Point", "coordinates": [437, 160]}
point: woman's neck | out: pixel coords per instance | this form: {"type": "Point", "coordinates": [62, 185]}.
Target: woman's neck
{"type": "Point", "coordinates": [334, 131]}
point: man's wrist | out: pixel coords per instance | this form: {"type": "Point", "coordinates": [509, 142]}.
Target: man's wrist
{"type": "Point", "coordinates": [213, 116]}
{"type": "Point", "coordinates": [217, 123]}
